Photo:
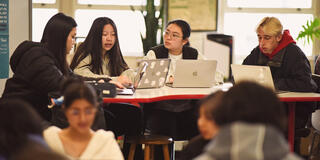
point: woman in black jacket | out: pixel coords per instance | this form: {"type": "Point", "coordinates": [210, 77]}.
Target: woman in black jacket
{"type": "Point", "coordinates": [40, 67]}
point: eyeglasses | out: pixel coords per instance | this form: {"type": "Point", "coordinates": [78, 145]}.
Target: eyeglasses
{"type": "Point", "coordinates": [88, 111]}
{"type": "Point", "coordinates": [172, 35]}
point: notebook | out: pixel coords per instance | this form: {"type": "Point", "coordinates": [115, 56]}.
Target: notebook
{"type": "Point", "coordinates": [259, 74]}
{"type": "Point", "coordinates": [151, 74]}
{"type": "Point", "coordinates": [194, 73]}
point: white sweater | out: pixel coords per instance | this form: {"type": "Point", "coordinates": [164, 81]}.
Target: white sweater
{"type": "Point", "coordinates": [101, 146]}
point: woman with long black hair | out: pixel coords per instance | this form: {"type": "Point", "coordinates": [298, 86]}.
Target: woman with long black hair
{"type": "Point", "coordinates": [39, 68]}
{"type": "Point", "coordinates": [100, 56]}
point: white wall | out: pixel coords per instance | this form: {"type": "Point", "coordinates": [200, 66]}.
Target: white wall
{"type": "Point", "coordinates": [18, 28]}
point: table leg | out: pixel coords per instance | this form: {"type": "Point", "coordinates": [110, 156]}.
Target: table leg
{"type": "Point", "coordinates": [291, 124]}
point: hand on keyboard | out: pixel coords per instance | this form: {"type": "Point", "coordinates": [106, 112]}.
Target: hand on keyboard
{"type": "Point", "coordinates": [130, 86]}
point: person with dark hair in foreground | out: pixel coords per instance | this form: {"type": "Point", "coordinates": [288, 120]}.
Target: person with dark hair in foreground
{"type": "Point", "coordinates": [21, 132]}
{"type": "Point", "coordinates": [207, 127]}
{"type": "Point", "coordinates": [252, 124]}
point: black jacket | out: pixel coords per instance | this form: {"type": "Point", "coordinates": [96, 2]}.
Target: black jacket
{"type": "Point", "coordinates": [187, 52]}
{"type": "Point", "coordinates": [290, 71]}
{"type": "Point", "coordinates": [35, 75]}
{"type": "Point", "coordinates": [194, 148]}
{"type": "Point", "coordinates": [290, 68]}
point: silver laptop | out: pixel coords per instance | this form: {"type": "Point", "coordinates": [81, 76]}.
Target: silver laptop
{"type": "Point", "coordinates": [259, 74]}
{"type": "Point", "coordinates": [151, 74]}
{"type": "Point", "coordinates": [194, 73]}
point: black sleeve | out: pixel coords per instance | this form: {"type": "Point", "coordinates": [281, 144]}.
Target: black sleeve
{"type": "Point", "coordinates": [194, 148]}
{"type": "Point", "coordinates": [252, 58]}
{"type": "Point", "coordinates": [40, 70]}
{"type": "Point", "coordinates": [299, 77]}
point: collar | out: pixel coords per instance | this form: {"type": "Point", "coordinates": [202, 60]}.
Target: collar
{"type": "Point", "coordinates": [284, 42]}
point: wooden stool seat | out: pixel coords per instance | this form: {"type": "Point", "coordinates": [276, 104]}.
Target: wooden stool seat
{"type": "Point", "coordinates": [149, 141]}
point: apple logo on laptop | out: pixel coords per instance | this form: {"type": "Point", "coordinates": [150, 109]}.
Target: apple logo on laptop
{"type": "Point", "coordinates": [195, 73]}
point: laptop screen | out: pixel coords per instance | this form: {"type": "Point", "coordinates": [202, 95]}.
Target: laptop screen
{"type": "Point", "coordinates": [259, 74]}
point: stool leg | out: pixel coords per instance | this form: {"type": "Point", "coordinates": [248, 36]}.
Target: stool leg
{"type": "Point", "coordinates": [147, 152]}
{"type": "Point", "coordinates": [152, 152]}
{"type": "Point", "coordinates": [165, 149]}
{"type": "Point", "coordinates": [132, 150]}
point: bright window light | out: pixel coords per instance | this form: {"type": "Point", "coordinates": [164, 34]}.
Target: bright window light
{"type": "Point", "coordinates": [242, 27]}
{"type": "Point", "coordinates": [113, 2]}
{"type": "Point", "coordinates": [44, 1]}
{"type": "Point", "coordinates": [40, 17]}
{"type": "Point", "coordinates": [129, 25]}
{"type": "Point", "coordinates": [270, 3]}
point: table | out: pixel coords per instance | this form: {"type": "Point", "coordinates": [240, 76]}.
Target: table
{"type": "Point", "coordinates": [291, 98]}
{"type": "Point", "coordinates": [168, 93]}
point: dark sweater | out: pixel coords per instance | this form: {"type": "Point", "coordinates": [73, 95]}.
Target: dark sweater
{"type": "Point", "coordinates": [187, 52]}
{"type": "Point", "coordinates": [36, 74]}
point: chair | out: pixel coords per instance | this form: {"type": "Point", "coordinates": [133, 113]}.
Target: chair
{"type": "Point", "coordinates": [149, 141]}
{"type": "Point", "coordinates": [315, 122]}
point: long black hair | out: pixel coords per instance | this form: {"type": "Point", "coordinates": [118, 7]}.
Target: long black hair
{"type": "Point", "coordinates": [55, 35]}
{"type": "Point", "coordinates": [92, 46]}
{"type": "Point", "coordinates": [185, 27]}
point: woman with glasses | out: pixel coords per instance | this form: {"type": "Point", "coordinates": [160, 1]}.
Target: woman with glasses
{"type": "Point", "coordinates": [78, 141]}
{"type": "Point", "coordinates": [176, 46]}
{"type": "Point", "coordinates": [174, 118]}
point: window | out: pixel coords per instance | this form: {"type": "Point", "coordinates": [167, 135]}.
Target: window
{"type": "Point", "coordinates": [117, 2]}
{"type": "Point", "coordinates": [44, 1]}
{"type": "Point", "coordinates": [241, 23]}
{"type": "Point", "coordinates": [129, 25]}
{"type": "Point", "coordinates": [40, 17]}
{"type": "Point", "coordinates": [113, 2]}
{"type": "Point", "coordinates": [270, 3]}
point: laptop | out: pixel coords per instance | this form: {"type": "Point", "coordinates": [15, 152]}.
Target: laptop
{"type": "Point", "coordinates": [151, 74]}
{"type": "Point", "coordinates": [259, 74]}
{"type": "Point", "coordinates": [194, 73]}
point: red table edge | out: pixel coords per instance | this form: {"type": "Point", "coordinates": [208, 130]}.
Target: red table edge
{"type": "Point", "coordinates": [193, 96]}
{"type": "Point", "coordinates": [154, 99]}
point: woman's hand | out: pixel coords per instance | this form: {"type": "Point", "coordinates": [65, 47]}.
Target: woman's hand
{"type": "Point", "coordinates": [124, 80]}
{"type": "Point", "coordinates": [171, 79]}
{"type": "Point", "coordinates": [118, 84]}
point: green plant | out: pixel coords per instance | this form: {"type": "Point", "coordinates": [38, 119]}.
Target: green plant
{"type": "Point", "coordinates": [310, 31]}
{"type": "Point", "coordinates": [153, 23]}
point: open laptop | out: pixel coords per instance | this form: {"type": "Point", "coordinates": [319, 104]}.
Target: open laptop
{"type": "Point", "coordinates": [151, 74]}
{"type": "Point", "coordinates": [194, 73]}
{"type": "Point", "coordinates": [259, 74]}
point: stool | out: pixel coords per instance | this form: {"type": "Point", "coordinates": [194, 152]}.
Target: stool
{"type": "Point", "coordinates": [149, 141]}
